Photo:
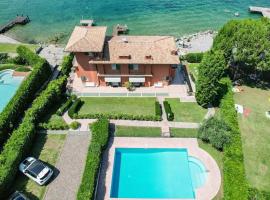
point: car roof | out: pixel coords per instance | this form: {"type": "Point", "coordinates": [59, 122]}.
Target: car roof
{"type": "Point", "coordinates": [36, 167]}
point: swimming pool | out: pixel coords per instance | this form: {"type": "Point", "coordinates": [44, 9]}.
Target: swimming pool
{"type": "Point", "coordinates": [156, 173]}
{"type": "Point", "coordinates": [8, 86]}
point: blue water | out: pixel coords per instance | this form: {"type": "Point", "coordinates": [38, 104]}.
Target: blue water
{"type": "Point", "coordinates": [156, 173]}
{"type": "Point", "coordinates": [8, 87]}
{"type": "Point", "coordinates": [157, 17]}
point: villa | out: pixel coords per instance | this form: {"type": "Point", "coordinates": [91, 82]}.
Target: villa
{"type": "Point", "coordinates": [102, 60]}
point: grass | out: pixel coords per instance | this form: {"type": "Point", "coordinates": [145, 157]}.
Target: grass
{"type": "Point", "coordinates": [193, 69]}
{"type": "Point", "coordinates": [11, 48]}
{"type": "Point", "coordinates": [218, 156]}
{"type": "Point", "coordinates": [255, 131]}
{"type": "Point", "coordinates": [129, 131]}
{"type": "Point", "coordinates": [46, 148]}
{"type": "Point", "coordinates": [118, 105]}
{"type": "Point", "coordinates": [186, 111]}
{"type": "Point", "coordinates": [184, 132]}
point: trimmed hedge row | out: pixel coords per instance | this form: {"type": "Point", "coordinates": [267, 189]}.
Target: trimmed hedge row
{"type": "Point", "coordinates": [100, 137]}
{"type": "Point", "coordinates": [235, 183]}
{"type": "Point", "coordinates": [66, 106]}
{"type": "Point", "coordinates": [13, 112]}
{"type": "Point", "coordinates": [66, 65]}
{"type": "Point", "coordinates": [21, 139]}
{"type": "Point", "coordinates": [194, 57]}
{"type": "Point", "coordinates": [75, 108]}
{"type": "Point", "coordinates": [168, 110]}
{"type": "Point", "coordinates": [158, 110]}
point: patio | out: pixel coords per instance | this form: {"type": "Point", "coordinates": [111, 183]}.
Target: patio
{"type": "Point", "coordinates": [177, 89]}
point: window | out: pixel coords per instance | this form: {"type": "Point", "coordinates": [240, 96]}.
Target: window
{"type": "Point", "coordinates": [115, 67]}
{"type": "Point", "coordinates": [133, 66]}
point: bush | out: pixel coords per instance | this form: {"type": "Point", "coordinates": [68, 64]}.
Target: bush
{"type": "Point", "coordinates": [194, 57]}
{"type": "Point", "coordinates": [158, 110]}
{"type": "Point", "coordinates": [22, 69]}
{"type": "Point", "coordinates": [21, 139]}
{"type": "Point", "coordinates": [235, 183]}
{"type": "Point", "coordinates": [65, 107]}
{"type": "Point", "coordinates": [100, 136]}
{"type": "Point", "coordinates": [73, 110]}
{"type": "Point", "coordinates": [55, 124]}
{"type": "Point", "coordinates": [12, 113]}
{"type": "Point", "coordinates": [67, 65]}
{"type": "Point", "coordinates": [216, 132]}
{"type": "Point", "coordinates": [3, 58]}
{"type": "Point", "coordinates": [168, 110]}
{"type": "Point", "coordinates": [75, 125]}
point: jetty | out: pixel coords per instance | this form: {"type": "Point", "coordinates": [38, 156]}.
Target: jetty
{"type": "Point", "coordinates": [262, 10]}
{"type": "Point", "coordinates": [21, 20]}
{"type": "Point", "coordinates": [87, 22]}
{"type": "Point", "coordinates": [120, 29]}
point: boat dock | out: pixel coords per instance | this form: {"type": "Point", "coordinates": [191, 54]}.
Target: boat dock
{"type": "Point", "coordinates": [264, 11]}
{"type": "Point", "coordinates": [22, 20]}
{"type": "Point", "coordinates": [120, 29]}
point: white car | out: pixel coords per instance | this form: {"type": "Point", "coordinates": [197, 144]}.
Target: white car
{"type": "Point", "coordinates": [36, 170]}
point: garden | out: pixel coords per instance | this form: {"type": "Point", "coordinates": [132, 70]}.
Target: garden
{"type": "Point", "coordinates": [128, 131]}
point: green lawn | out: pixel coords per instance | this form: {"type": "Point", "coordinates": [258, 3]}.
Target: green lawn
{"type": "Point", "coordinates": [47, 148]}
{"type": "Point", "coordinates": [218, 156]}
{"type": "Point", "coordinates": [193, 69]}
{"type": "Point", "coordinates": [255, 130]}
{"type": "Point", "coordinates": [118, 105]}
{"type": "Point", "coordinates": [184, 132]}
{"type": "Point", "coordinates": [128, 131]}
{"type": "Point", "coordinates": [11, 48]}
{"type": "Point", "coordinates": [186, 111]}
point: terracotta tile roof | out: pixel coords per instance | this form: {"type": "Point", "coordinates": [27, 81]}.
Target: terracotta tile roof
{"type": "Point", "coordinates": [87, 39]}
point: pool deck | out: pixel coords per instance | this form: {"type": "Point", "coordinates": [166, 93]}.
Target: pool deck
{"type": "Point", "coordinates": [208, 191]}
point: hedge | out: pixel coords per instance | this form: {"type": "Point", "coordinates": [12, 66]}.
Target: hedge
{"type": "Point", "coordinates": [75, 108]}
{"type": "Point", "coordinates": [168, 110]}
{"type": "Point", "coordinates": [13, 112]}
{"type": "Point", "coordinates": [158, 110]}
{"type": "Point", "coordinates": [64, 107]}
{"type": "Point", "coordinates": [194, 57]}
{"type": "Point", "coordinates": [235, 183]}
{"type": "Point", "coordinates": [99, 141]}
{"type": "Point", "coordinates": [67, 65]}
{"type": "Point", "coordinates": [21, 139]}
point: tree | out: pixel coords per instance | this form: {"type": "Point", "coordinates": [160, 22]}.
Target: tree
{"type": "Point", "coordinates": [212, 68]}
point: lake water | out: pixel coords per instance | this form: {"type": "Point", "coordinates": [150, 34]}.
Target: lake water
{"type": "Point", "coordinates": [157, 17]}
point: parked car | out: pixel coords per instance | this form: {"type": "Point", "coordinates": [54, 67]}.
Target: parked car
{"type": "Point", "coordinates": [18, 196]}
{"type": "Point", "coordinates": [36, 170]}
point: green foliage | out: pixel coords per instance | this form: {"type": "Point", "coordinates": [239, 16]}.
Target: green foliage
{"type": "Point", "coordinates": [194, 57]}
{"type": "Point", "coordinates": [211, 70]}
{"type": "Point", "coordinates": [3, 58]}
{"type": "Point", "coordinates": [158, 110]}
{"type": "Point", "coordinates": [245, 44]}
{"type": "Point", "coordinates": [75, 125]}
{"type": "Point", "coordinates": [168, 110]}
{"type": "Point", "coordinates": [12, 113]}
{"type": "Point", "coordinates": [65, 107]}
{"type": "Point", "coordinates": [73, 110]}
{"type": "Point", "coordinates": [16, 148]}
{"type": "Point", "coordinates": [255, 194]}
{"type": "Point", "coordinates": [22, 69]}
{"type": "Point", "coordinates": [235, 183]}
{"type": "Point", "coordinates": [215, 132]}
{"type": "Point", "coordinates": [67, 65]}
{"type": "Point", "coordinates": [100, 137]}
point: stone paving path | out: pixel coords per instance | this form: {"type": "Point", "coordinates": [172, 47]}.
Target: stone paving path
{"type": "Point", "coordinates": [71, 166]}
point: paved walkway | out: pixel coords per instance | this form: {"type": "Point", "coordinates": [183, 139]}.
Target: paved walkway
{"type": "Point", "coordinates": [70, 165]}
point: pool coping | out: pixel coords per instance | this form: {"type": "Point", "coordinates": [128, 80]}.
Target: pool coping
{"type": "Point", "coordinates": [208, 191]}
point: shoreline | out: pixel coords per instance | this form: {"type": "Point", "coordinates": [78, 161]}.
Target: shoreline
{"type": "Point", "coordinates": [8, 40]}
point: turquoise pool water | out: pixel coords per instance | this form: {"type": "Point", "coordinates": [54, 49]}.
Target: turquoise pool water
{"type": "Point", "coordinates": [156, 173]}
{"type": "Point", "coordinates": [158, 17]}
{"type": "Point", "coordinates": [8, 87]}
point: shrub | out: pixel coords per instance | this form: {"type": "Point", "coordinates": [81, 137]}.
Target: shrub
{"type": "Point", "coordinates": [216, 132]}
{"type": "Point", "coordinates": [75, 125]}
{"type": "Point", "coordinates": [194, 57]}
{"type": "Point", "coordinates": [55, 124]}
{"type": "Point", "coordinates": [235, 183]}
{"type": "Point", "coordinates": [67, 65]}
{"type": "Point", "coordinates": [73, 110]}
{"type": "Point", "coordinates": [21, 139]}
{"type": "Point", "coordinates": [168, 110]}
{"type": "Point", "coordinates": [22, 69]}
{"type": "Point", "coordinates": [12, 113]}
{"type": "Point", "coordinates": [3, 58]}
{"type": "Point", "coordinates": [158, 110]}
{"type": "Point", "coordinates": [100, 136]}
{"type": "Point", "coordinates": [64, 107]}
